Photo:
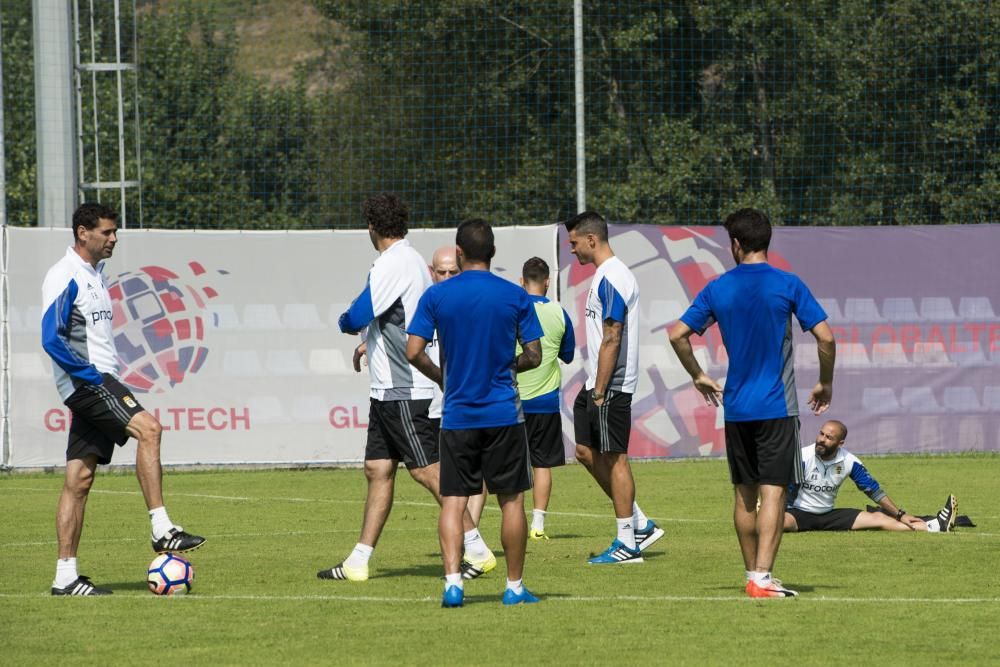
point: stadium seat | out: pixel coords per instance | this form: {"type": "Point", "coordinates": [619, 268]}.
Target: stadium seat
{"type": "Point", "coordinates": [927, 353]}
{"type": "Point", "coordinates": [967, 354]}
{"type": "Point", "coordinates": [261, 317]}
{"type": "Point", "coordinates": [310, 409]}
{"type": "Point", "coordinates": [919, 399]}
{"type": "Point", "coordinates": [889, 355]}
{"type": "Point", "coordinates": [284, 363]}
{"type": "Point", "coordinates": [991, 398]}
{"type": "Point", "coordinates": [852, 355]}
{"type": "Point", "coordinates": [975, 308]}
{"type": "Point", "coordinates": [832, 310]}
{"type": "Point", "coordinates": [879, 400]}
{"type": "Point", "coordinates": [806, 356]}
{"type": "Point", "coordinates": [961, 399]}
{"type": "Point", "coordinates": [861, 311]}
{"type": "Point", "coordinates": [937, 309]}
{"type": "Point", "coordinates": [328, 362]}
{"type": "Point", "coordinates": [900, 309]}
{"type": "Point", "coordinates": [266, 410]}
{"type": "Point", "coordinates": [241, 363]}
{"type": "Point", "coordinates": [223, 316]}
{"type": "Point", "coordinates": [301, 317]}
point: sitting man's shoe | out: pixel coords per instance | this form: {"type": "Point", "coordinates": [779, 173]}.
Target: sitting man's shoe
{"type": "Point", "coordinates": [81, 586]}
{"type": "Point", "coordinates": [453, 597]}
{"type": "Point", "coordinates": [341, 572]}
{"type": "Point", "coordinates": [617, 553]}
{"type": "Point", "coordinates": [538, 535]}
{"type": "Point", "coordinates": [472, 567]}
{"type": "Point", "coordinates": [946, 517]}
{"type": "Point", "coordinates": [647, 536]}
{"type": "Point", "coordinates": [524, 597]}
{"type": "Point", "coordinates": [177, 541]}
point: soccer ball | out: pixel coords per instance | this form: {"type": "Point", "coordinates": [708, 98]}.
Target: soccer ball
{"type": "Point", "coordinates": [169, 575]}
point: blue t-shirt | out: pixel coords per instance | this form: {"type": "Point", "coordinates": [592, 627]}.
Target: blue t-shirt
{"type": "Point", "coordinates": [754, 304]}
{"type": "Point", "coordinates": [479, 318]}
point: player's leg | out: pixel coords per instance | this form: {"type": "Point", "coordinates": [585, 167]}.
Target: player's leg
{"type": "Point", "coordinates": [770, 524]}
{"type": "Point", "coordinates": [513, 533]}
{"type": "Point", "coordinates": [880, 521]}
{"type": "Point", "coordinates": [476, 505]}
{"type": "Point", "coordinates": [460, 476]}
{"type": "Point", "coordinates": [745, 522]}
{"type": "Point", "coordinates": [791, 525]}
{"type": "Point", "coordinates": [381, 477]}
{"type": "Point", "coordinates": [540, 493]}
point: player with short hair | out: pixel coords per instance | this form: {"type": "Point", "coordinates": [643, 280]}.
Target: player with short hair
{"type": "Point", "coordinates": [602, 411]}
{"type": "Point", "coordinates": [399, 428]}
{"type": "Point", "coordinates": [477, 559]}
{"type": "Point", "coordinates": [754, 304]}
{"type": "Point", "coordinates": [77, 335]}
{"type": "Point", "coordinates": [826, 465]}
{"type": "Point", "coordinates": [479, 318]}
{"type": "Point", "coordinates": [540, 390]}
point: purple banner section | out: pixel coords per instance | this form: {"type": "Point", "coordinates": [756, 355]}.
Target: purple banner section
{"type": "Point", "coordinates": [914, 311]}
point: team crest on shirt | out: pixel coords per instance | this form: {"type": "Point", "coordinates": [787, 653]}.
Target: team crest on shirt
{"type": "Point", "coordinates": [839, 469]}
{"type": "Point", "coordinates": [129, 401]}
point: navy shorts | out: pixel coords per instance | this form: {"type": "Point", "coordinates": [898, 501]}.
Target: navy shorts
{"type": "Point", "coordinates": [401, 431]}
{"type": "Point", "coordinates": [100, 414]}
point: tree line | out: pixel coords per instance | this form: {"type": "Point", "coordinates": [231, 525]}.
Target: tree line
{"type": "Point", "coordinates": [821, 112]}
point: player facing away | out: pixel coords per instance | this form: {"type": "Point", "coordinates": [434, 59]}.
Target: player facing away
{"type": "Point", "coordinates": [539, 390]}
{"type": "Point", "coordinates": [753, 304]}
{"type": "Point", "coordinates": [77, 335]}
{"type": "Point", "coordinates": [399, 428]}
{"type": "Point", "coordinates": [477, 559]}
{"type": "Point", "coordinates": [602, 411]}
{"type": "Point", "coordinates": [826, 465]}
{"type": "Point", "coordinates": [479, 318]}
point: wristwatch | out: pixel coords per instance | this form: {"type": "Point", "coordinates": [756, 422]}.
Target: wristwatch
{"type": "Point", "coordinates": [596, 396]}
{"type": "Point", "coordinates": [900, 514]}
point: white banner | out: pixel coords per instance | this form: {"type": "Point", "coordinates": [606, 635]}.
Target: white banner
{"type": "Point", "coordinates": [230, 338]}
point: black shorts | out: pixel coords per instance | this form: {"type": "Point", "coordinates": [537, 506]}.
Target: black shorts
{"type": "Point", "coordinates": [100, 413]}
{"type": "Point", "coordinates": [401, 431]}
{"type": "Point", "coordinates": [606, 428]}
{"type": "Point", "coordinates": [839, 519]}
{"type": "Point", "coordinates": [764, 452]}
{"type": "Point", "coordinates": [545, 442]}
{"type": "Point", "coordinates": [498, 456]}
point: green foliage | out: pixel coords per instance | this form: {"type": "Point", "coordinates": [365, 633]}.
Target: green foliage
{"type": "Point", "coordinates": [256, 599]}
{"type": "Point", "coordinates": [821, 111]}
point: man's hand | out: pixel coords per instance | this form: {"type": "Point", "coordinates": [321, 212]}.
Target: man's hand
{"type": "Point", "coordinates": [360, 357]}
{"type": "Point", "coordinates": [709, 388]}
{"type": "Point", "coordinates": [911, 522]}
{"type": "Point", "coordinates": [819, 398]}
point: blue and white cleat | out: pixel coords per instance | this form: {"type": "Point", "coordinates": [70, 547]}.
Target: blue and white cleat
{"type": "Point", "coordinates": [617, 553]}
{"type": "Point", "coordinates": [525, 597]}
{"type": "Point", "coordinates": [647, 536]}
{"type": "Point", "coordinates": [453, 597]}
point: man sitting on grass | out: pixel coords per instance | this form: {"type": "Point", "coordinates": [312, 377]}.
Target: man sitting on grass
{"type": "Point", "coordinates": [825, 466]}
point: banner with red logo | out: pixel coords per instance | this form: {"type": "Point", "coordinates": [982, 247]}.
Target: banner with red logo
{"type": "Point", "coordinates": [229, 338]}
{"type": "Point", "coordinates": [914, 311]}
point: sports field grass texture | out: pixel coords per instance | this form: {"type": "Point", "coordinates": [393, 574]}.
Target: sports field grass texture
{"type": "Point", "coordinates": [872, 598]}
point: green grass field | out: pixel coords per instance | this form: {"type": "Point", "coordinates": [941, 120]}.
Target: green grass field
{"type": "Point", "coordinates": [875, 597]}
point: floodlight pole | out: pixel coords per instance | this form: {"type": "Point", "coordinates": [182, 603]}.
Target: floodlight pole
{"type": "Point", "coordinates": [581, 146]}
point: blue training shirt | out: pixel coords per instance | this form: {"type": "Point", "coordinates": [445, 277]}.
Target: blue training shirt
{"type": "Point", "coordinates": [754, 304]}
{"type": "Point", "coordinates": [479, 318]}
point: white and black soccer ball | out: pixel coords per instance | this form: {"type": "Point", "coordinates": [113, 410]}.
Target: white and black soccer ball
{"type": "Point", "coordinates": [170, 574]}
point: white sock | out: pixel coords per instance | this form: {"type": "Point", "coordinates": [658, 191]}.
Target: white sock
{"type": "Point", "coordinates": [161, 523]}
{"type": "Point", "coordinates": [761, 578]}
{"type": "Point", "coordinates": [639, 517]}
{"type": "Point", "coordinates": [360, 556]}
{"type": "Point", "coordinates": [626, 534]}
{"type": "Point", "coordinates": [454, 580]}
{"type": "Point", "coordinates": [749, 574]}
{"type": "Point", "coordinates": [65, 572]}
{"type": "Point", "coordinates": [538, 520]}
{"type": "Point", "coordinates": [516, 585]}
{"type": "Point", "coordinates": [474, 544]}
{"type": "Point", "coordinates": [933, 526]}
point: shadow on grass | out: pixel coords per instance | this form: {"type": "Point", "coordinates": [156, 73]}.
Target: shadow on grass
{"type": "Point", "coordinates": [126, 585]}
